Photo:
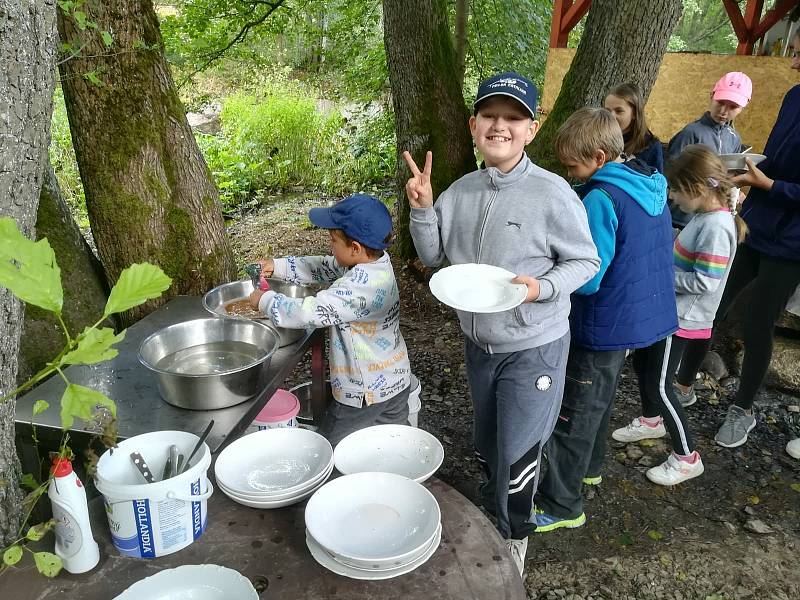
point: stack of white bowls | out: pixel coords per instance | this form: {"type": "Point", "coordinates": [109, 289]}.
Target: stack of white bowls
{"type": "Point", "coordinates": [372, 525]}
{"type": "Point", "coordinates": [274, 467]}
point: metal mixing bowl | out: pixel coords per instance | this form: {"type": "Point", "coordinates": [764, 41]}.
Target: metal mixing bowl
{"type": "Point", "coordinates": [211, 363]}
{"type": "Point", "coordinates": [303, 393]}
{"type": "Point", "coordinates": [217, 299]}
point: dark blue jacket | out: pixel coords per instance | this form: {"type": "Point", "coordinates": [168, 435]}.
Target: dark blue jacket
{"type": "Point", "coordinates": [630, 303]}
{"type": "Point", "coordinates": [774, 216]}
{"type": "Point", "coordinates": [652, 154]}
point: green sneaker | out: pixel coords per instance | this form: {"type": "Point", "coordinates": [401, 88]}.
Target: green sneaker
{"type": "Point", "coordinates": [545, 522]}
{"type": "Point", "coordinates": [593, 480]}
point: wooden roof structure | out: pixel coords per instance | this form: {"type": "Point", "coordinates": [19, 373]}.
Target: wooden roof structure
{"type": "Point", "coordinates": [748, 27]}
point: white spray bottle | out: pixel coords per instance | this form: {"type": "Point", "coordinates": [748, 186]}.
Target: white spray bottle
{"type": "Point", "coordinates": [74, 542]}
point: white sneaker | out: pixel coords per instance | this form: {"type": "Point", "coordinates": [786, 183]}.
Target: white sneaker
{"type": "Point", "coordinates": [674, 470]}
{"type": "Point", "coordinates": [639, 430]}
{"type": "Point", "coordinates": [793, 448]}
{"type": "Point", "coordinates": [518, 549]}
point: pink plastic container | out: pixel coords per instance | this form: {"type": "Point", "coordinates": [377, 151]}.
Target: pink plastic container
{"type": "Point", "coordinates": [279, 411]}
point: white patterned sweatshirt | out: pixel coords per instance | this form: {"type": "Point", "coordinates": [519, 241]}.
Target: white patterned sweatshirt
{"type": "Point", "coordinates": [368, 355]}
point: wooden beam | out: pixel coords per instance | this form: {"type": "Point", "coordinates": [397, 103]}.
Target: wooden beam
{"type": "Point", "coordinates": [752, 15]}
{"type": "Point", "coordinates": [559, 8]}
{"type": "Point", "coordinates": [573, 16]}
{"type": "Point", "coordinates": [735, 15]}
{"type": "Point", "coordinates": [775, 14]}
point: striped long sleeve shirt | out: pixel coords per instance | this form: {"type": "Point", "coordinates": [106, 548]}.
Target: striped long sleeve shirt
{"type": "Point", "coordinates": [704, 251]}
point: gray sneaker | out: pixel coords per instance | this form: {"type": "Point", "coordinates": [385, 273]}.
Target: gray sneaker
{"type": "Point", "coordinates": [734, 430]}
{"type": "Point", "coordinates": [686, 399]}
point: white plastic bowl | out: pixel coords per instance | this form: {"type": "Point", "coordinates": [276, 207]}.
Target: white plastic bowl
{"type": "Point", "coordinates": [477, 288]}
{"type": "Point", "coordinates": [266, 504]}
{"type": "Point", "coordinates": [313, 484]}
{"type": "Point", "coordinates": [379, 566]}
{"type": "Point", "coordinates": [273, 461]}
{"type": "Point", "coordinates": [400, 449]}
{"type": "Point", "coordinates": [192, 582]}
{"type": "Point", "coordinates": [372, 518]}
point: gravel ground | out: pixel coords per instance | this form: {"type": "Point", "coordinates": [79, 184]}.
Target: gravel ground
{"type": "Point", "coordinates": [733, 533]}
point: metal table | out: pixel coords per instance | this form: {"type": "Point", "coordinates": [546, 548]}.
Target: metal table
{"type": "Point", "coordinates": [268, 547]}
{"type": "Point", "coordinates": [132, 387]}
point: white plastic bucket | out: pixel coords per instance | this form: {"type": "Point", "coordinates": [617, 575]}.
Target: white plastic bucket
{"type": "Point", "coordinates": [414, 402]}
{"type": "Point", "coordinates": [154, 519]}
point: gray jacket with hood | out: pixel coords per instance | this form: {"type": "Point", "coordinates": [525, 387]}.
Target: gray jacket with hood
{"type": "Point", "coordinates": [528, 221]}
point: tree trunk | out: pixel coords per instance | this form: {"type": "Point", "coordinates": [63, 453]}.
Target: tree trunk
{"type": "Point", "coordinates": [149, 193]}
{"type": "Point", "coordinates": [428, 104]}
{"type": "Point", "coordinates": [27, 61]}
{"type": "Point", "coordinates": [462, 13]}
{"type": "Point", "coordinates": [622, 41]}
{"type": "Point", "coordinates": [82, 277]}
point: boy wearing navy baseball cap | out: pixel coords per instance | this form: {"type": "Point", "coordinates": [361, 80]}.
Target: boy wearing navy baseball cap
{"type": "Point", "coordinates": [512, 214]}
{"type": "Point", "coordinates": [370, 370]}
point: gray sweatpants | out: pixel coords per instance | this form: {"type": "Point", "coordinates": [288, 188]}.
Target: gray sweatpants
{"type": "Point", "coordinates": [516, 399]}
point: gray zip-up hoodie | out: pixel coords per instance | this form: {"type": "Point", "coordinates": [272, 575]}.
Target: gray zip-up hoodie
{"type": "Point", "coordinates": [528, 221]}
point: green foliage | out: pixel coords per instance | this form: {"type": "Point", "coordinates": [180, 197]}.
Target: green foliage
{"type": "Point", "coordinates": [12, 555]}
{"type": "Point", "coordinates": [279, 140]}
{"type": "Point", "coordinates": [82, 402]}
{"type": "Point", "coordinates": [65, 166]}
{"type": "Point", "coordinates": [47, 563]}
{"type": "Point", "coordinates": [38, 408]}
{"type": "Point", "coordinates": [136, 284]}
{"type": "Point", "coordinates": [704, 27]}
{"type": "Point", "coordinates": [507, 36]}
{"type": "Point", "coordinates": [29, 269]}
{"type": "Point", "coordinates": [94, 346]}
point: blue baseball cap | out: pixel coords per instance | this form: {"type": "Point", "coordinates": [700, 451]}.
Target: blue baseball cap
{"type": "Point", "coordinates": [512, 85]}
{"type": "Point", "coordinates": [362, 218]}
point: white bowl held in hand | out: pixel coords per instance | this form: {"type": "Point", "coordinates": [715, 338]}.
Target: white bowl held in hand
{"type": "Point", "coordinates": [400, 449]}
{"type": "Point", "coordinates": [192, 582]}
{"type": "Point", "coordinates": [372, 517]}
{"type": "Point", "coordinates": [477, 288]}
{"type": "Point", "coordinates": [273, 461]}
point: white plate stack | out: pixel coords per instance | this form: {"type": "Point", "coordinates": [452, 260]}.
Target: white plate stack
{"type": "Point", "coordinates": [274, 467]}
{"type": "Point", "coordinates": [372, 525]}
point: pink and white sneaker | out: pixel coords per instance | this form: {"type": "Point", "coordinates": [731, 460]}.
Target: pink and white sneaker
{"type": "Point", "coordinates": [674, 470]}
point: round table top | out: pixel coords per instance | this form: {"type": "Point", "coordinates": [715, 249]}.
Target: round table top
{"type": "Point", "coordinates": [268, 547]}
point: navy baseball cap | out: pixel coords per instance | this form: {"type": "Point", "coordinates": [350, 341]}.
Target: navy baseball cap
{"type": "Point", "coordinates": [362, 218]}
{"type": "Point", "coordinates": [512, 85]}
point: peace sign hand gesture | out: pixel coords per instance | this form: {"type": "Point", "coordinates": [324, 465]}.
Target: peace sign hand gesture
{"type": "Point", "coordinates": [418, 188]}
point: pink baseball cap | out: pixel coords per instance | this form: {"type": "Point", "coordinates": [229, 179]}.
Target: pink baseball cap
{"type": "Point", "coordinates": [735, 87]}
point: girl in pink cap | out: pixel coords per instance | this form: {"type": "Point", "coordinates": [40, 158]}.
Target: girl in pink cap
{"type": "Point", "coordinates": [714, 129]}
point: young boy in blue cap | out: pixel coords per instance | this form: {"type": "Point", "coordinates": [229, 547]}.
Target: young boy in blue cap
{"type": "Point", "coordinates": [370, 370]}
{"type": "Point", "coordinates": [514, 215]}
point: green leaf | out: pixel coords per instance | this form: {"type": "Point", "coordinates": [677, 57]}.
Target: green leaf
{"type": "Point", "coordinates": [28, 481]}
{"type": "Point", "coordinates": [92, 78]}
{"type": "Point", "coordinates": [654, 534]}
{"type": "Point", "coordinates": [80, 19]}
{"type": "Point", "coordinates": [625, 539]}
{"type": "Point", "coordinates": [48, 563]}
{"type": "Point", "coordinates": [38, 531]}
{"type": "Point", "coordinates": [40, 406]}
{"type": "Point", "coordinates": [107, 39]}
{"type": "Point", "coordinates": [12, 555]}
{"type": "Point", "coordinates": [137, 284]}
{"type": "Point", "coordinates": [94, 346]}
{"type": "Point", "coordinates": [795, 487]}
{"type": "Point", "coordinates": [29, 269]}
{"type": "Point", "coordinates": [79, 401]}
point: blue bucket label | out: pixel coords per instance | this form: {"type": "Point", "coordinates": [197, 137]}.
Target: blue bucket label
{"type": "Point", "coordinates": [197, 518]}
{"type": "Point", "coordinates": [144, 528]}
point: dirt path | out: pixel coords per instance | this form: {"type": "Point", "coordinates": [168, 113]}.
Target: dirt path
{"type": "Point", "coordinates": [641, 541]}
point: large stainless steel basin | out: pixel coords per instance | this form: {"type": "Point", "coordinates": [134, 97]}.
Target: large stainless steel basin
{"type": "Point", "coordinates": [210, 363]}
{"type": "Point", "coordinates": [217, 299]}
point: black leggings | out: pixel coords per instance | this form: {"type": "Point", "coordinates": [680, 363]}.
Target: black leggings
{"type": "Point", "coordinates": [655, 370]}
{"type": "Point", "coordinates": [773, 280]}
